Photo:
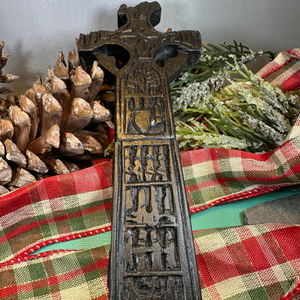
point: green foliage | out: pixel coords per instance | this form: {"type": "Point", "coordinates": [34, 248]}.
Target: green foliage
{"type": "Point", "coordinates": [250, 114]}
{"type": "Point", "coordinates": [209, 75]}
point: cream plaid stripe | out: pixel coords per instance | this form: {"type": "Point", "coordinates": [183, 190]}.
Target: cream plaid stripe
{"type": "Point", "coordinates": [282, 67]}
{"type": "Point", "coordinates": [286, 75]}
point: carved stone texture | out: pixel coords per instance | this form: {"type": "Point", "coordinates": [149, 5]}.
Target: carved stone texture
{"type": "Point", "coordinates": [152, 254]}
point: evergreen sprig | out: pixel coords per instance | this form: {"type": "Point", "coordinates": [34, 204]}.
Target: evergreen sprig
{"type": "Point", "coordinates": [209, 74]}
{"type": "Point", "coordinates": [250, 114]}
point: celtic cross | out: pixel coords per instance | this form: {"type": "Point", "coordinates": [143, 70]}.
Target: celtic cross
{"type": "Point", "coordinates": [152, 252]}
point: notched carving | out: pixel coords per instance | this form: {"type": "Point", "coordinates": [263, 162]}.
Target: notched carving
{"type": "Point", "coordinates": [150, 205]}
{"type": "Point", "coordinates": [144, 100]}
{"type": "Point", "coordinates": [151, 249]}
{"type": "Point", "coordinates": [154, 288]}
{"type": "Point", "coordinates": [147, 163]}
{"type": "Point", "coordinates": [142, 78]}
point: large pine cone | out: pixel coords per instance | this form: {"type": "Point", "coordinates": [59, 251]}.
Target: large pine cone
{"type": "Point", "coordinates": [59, 121]}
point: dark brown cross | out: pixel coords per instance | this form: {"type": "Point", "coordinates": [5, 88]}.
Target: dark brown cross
{"type": "Point", "coordinates": [152, 251]}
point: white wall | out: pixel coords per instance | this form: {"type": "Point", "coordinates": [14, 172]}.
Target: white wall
{"type": "Point", "coordinates": [35, 31]}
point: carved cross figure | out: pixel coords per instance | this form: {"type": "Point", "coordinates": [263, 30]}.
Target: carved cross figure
{"type": "Point", "coordinates": [152, 254]}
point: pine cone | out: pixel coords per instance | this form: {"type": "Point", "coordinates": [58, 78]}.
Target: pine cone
{"type": "Point", "coordinates": [59, 121]}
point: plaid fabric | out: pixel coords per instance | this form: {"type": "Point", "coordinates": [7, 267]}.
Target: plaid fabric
{"type": "Point", "coordinates": [250, 262]}
{"type": "Point", "coordinates": [216, 176]}
{"type": "Point", "coordinates": [70, 275]}
{"type": "Point", "coordinates": [257, 262]}
{"type": "Point", "coordinates": [55, 209]}
{"type": "Point", "coordinates": [284, 70]}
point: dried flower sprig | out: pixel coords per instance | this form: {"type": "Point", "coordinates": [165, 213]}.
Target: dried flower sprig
{"type": "Point", "coordinates": [198, 82]}
{"type": "Point", "coordinates": [250, 114]}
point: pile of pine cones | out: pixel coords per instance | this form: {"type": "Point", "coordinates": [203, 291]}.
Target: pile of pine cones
{"type": "Point", "coordinates": [61, 120]}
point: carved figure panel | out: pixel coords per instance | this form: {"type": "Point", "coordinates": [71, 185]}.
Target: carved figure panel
{"type": "Point", "coordinates": [143, 79]}
{"type": "Point", "coordinates": [147, 163]}
{"type": "Point", "coordinates": [150, 205]}
{"type": "Point", "coordinates": [144, 100]}
{"type": "Point", "coordinates": [154, 288]}
{"type": "Point", "coordinates": [151, 249]}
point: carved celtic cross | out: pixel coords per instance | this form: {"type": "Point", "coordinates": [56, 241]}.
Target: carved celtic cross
{"type": "Point", "coordinates": [152, 254]}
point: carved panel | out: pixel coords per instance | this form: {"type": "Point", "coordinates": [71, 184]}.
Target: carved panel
{"type": "Point", "coordinates": [144, 95]}
{"type": "Point", "coordinates": [144, 115]}
{"type": "Point", "coordinates": [151, 249]}
{"type": "Point", "coordinates": [147, 163]}
{"type": "Point", "coordinates": [150, 205]}
{"type": "Point", "coordinates": [143, 79]}
{"type": "Point", "coordinates": [154, 288]}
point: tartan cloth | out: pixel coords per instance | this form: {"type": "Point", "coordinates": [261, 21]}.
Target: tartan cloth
{"type": "Point", "coordinates": [284, 70]}
{"type": "Point", "coordinates": [255, 262]}
{"type": "Point", "coordinates": [247, 262]}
